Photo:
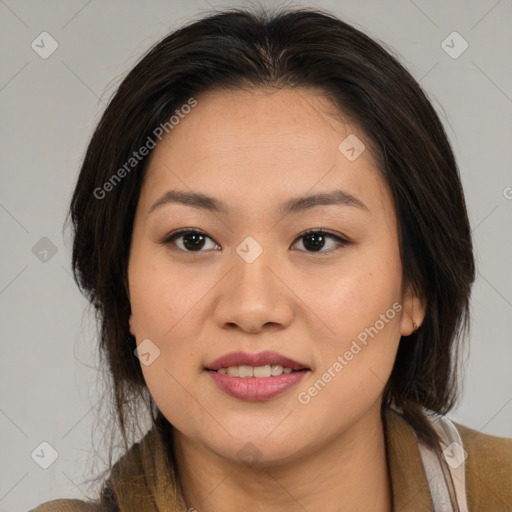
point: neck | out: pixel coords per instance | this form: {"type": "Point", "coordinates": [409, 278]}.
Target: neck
{"type": "Point", "coordinates": [348, 474]}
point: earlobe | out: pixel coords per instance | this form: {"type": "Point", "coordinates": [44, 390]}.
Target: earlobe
{"type": "Point", "coordinates": [413, 315]}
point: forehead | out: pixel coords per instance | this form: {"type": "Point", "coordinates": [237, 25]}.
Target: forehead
{"type": "Point", "coordinates": [261, 145]}
{"type": "Point", "coordinates": [269, 120]}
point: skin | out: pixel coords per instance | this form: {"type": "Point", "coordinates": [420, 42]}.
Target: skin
{"type": "Point", "coordinates": [255, 149]}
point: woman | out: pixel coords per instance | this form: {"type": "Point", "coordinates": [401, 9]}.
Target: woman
{"type": "Point", "coordinates": [270, 224]}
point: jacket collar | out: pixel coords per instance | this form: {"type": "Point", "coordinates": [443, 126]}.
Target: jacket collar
{"type": "Point", "coordinates": [409, 483]}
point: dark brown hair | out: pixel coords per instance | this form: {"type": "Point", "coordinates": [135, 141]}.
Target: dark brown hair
{"type": "Point", "coordinates": [290, 48]}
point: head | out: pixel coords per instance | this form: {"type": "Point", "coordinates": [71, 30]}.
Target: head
{"type": "Point", "coordinates": [227, 127]}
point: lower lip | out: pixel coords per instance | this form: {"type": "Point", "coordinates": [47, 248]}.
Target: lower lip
{"type": "Point", "coordinates": [254, 389]}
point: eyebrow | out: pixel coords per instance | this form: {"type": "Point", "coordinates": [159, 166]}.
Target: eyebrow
{"type": "Point", "coordinates": [295, 205]}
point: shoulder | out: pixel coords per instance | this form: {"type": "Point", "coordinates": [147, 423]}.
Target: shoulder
{"type": "Point", "coordinates": [68, 505]}
{"type": "Point", "coordinates": [488, 468]}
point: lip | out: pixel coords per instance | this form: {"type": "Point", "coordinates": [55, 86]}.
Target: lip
{"type": "Point", "coordinates": [256, 389]}
{"type": "Point", "coordinates": [260, 359]}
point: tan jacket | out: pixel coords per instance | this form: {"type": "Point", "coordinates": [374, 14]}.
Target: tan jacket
{"type": "Point", "coordinates": [488, 473]}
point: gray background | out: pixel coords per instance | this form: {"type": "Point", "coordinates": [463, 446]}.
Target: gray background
{"type": "Point", "coordinates": [48, 110]}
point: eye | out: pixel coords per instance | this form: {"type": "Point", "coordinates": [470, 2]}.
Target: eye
{"type": "Point", "coordinates": [314, 240]}
{"type": "Point", "coordinates": [190, 240]}
{"type": "Point", "coordinates": [194, 240]}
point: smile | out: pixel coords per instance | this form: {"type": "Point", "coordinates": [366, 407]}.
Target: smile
{"type": "Point", "coordinates": [256, 377]}
{"type": "Point", "coordinates": [260, 372]}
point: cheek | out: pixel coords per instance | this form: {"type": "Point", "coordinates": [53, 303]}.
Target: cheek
{"type": "Point", "coordinates": [162, 297]}
{"type": "Point", "coordinates": [362, 308]}
{"type": "Point", "coordinates": [163, 306]}
{"type": "Point", "coordinates": [168, 308]}
{"type": "Point", "coordinates": [356, 363]}
{"type": "Point", "coordinates": [354, 296]}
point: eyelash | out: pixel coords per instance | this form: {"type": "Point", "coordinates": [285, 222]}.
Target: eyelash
{"type": "Point", "coordinates": [171, 237]}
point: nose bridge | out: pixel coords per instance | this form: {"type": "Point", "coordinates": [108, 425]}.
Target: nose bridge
{"type": "Point", "coordinates": [253, 295]}
{"type": "Point", "coordinates": [252, 274]}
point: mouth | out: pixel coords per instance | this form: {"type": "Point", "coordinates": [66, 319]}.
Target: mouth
{"type": "Point", "coordinates": [256, 377]}
{"type": "Point", "coordinates": [260, 372]}
{"type": "Point", "coordinates": [262, 361]}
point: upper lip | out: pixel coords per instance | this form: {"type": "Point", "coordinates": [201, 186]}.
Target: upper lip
{"type": "Point", "coordinates": [259, 359]}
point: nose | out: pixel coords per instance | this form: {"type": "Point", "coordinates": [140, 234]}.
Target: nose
{"type": "Point", "coordinates": [254, 296]}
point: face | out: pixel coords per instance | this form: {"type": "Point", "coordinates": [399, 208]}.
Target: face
{"type": "Point", "coordinates": [265, 279]}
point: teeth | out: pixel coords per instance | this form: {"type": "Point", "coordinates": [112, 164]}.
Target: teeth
{"type": "Point", "coordinates": [260, 372]}
{"type": "Point", "coordinates": [233, 371]}
{"type": "Point", "coordinates": [245, 371]}
{"type": "Point", "coordinates": [277, 369]}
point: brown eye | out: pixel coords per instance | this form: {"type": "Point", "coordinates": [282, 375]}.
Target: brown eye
{"type": "Point", "coordinates": [191, 240]}
{"type": "Point", "coordinates": [187, 240]}
{"type": "Point", "coordinates": [315, 241]}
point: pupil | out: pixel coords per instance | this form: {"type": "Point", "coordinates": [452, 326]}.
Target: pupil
{"type": "Point", "coordinates": [318, 240]}
{"type": "Point", "coordinates": [197, 241]}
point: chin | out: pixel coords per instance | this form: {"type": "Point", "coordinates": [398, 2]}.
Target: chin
{"type": "Point", "coordinates": [259, 451]}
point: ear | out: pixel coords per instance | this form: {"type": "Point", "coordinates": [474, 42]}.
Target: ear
{"type": "Point", "coordinates": [413, 313]}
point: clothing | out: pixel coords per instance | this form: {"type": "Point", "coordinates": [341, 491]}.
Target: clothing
{"type": "Point", "coordinates": [487, 473]}
{"type": "Point", "coordinates": [487, 468]}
